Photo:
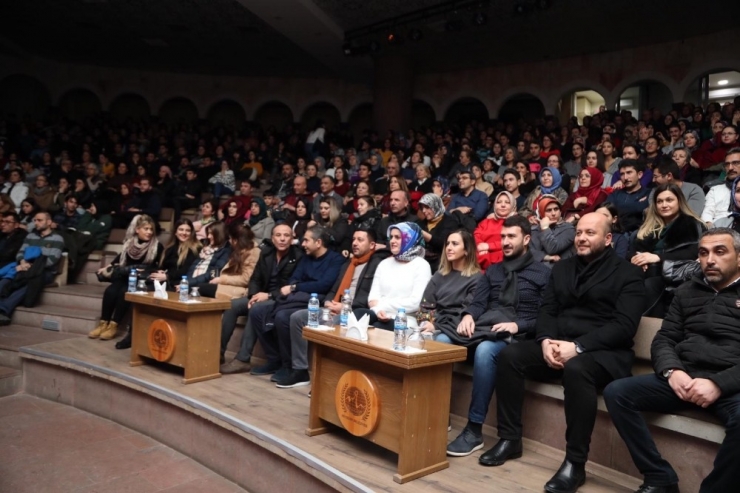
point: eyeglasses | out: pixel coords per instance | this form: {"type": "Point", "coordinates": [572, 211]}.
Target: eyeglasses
{"type": "Point", "coordinates": [734, 164]}
{"type": "Point", "coordinates": [728, 133]}
{"type": "Point", "coordinates": [7, 221]}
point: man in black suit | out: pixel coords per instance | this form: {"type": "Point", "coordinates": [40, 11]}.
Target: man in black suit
{"type": "Point", "coordinates": [584, 335]}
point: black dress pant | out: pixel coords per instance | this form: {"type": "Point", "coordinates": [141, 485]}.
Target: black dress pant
{"type": "Point", "coordinates": [626, 398]}
{"type": "Point", "coordinates": [582, 378]}
{"type": "Point", "coordinates": [115, 305]}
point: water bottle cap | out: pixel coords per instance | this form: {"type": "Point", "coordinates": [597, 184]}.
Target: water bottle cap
{"type": "Point", "coordinates": [314, 295]}
{"type": "Point", "coordinates": [346, 291]}
{"type": "Point", "coordinates": [185, 277]}
{"type": "Point", "coordinates": [401, 310]}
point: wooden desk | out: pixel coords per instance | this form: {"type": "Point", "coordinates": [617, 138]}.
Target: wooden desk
{"type": "Point", "coordinates": [413, 393]}
{"type": "Point", "coordinates": [187, 335]}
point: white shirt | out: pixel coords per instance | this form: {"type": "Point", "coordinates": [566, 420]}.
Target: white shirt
{"type": "Point", "coordinates": [717, 203]}
{"type": "Point", "coordinates": [400, 285]}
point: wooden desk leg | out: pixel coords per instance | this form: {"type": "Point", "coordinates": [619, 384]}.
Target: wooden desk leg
{"type": "Point", "coordinates": [136, 360]}
{"type": "Point", "coordinates": [426, 407]}
{"type": "Point", "coordinates": [316, 425]}
{"type": "Point", "coordinates": [203, 332]}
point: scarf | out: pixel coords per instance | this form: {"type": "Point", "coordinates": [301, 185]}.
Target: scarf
{"type": "Point", "coordinates": [512, 201]}
{"type": "Point", "coordinates": [445, 184]}
{"type": "Point", "coordinates": [144, 252]}
{"type": "Point", "coordinates": [263, 211]}
{"type": "Point", "coordinates": [557, 179]}
{"type": "Point", "coordinates": [206, 254]}
{"type": "Point", "coordinates": [546, 200]}
{"type": "Point", "coordinates": [412, 241]}
{"type": "Point", "coordinates": [508, 298]}
{"type": "Point", "coordinates": [592, 191]}
{"type": "Point", "coordinates": [734, 206]}
{"type": "Point", "coordinates": [435, 204]}
{"type": "Point", "coordinates": [350, 272]}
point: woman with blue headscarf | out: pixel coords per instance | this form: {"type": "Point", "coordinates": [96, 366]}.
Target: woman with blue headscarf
{"type": "Point", "coordinates": [399, 280]}
{"type": "Point", "coordinates": [550, 184]}
{"type": "Point", "coordinates": [441, 188]}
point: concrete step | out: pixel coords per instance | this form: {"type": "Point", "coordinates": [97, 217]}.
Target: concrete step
{"type": "Point", "coordinates": [11, 380]}
{"type": "Point", "coordinates": [84, 296]}
{"type": "Point", "coordinates": [13, 337]}
{"type": "Point", "coordinates": [91, 278]}
{"type": "Point", "coordinates": [66, 319]}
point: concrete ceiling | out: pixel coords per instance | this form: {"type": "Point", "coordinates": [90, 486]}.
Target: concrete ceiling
{"type": "Point", "coordinates": [304, 37]}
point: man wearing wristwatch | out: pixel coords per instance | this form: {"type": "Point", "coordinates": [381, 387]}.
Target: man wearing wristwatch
{"type": "Point", "coordinates": [583, 335]}
{"type": "Point", "coordinates": [696, 357]}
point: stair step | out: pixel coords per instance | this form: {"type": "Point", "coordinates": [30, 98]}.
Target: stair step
{"type": "Point", "coordinates": [84, 296]}
{"type": "Point", "coordinates": [13, 337]}
{"type": "Point", "coordinates": [68, 319]}
{"type": "Point", "coordinates": [11, 380]}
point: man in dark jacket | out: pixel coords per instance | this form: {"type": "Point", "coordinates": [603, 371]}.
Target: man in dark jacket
{"type": "Point", "coordinates": [400, 213]}
{"type": "Point", "coordinates": [147, 201]}
{"type": "Point", "coordinates": [315, 273]}
{"type": "Point", "coordinates": [584, 335]}
{"type": "Point", "coordinates": [507, 299]}
{"type": "Point", "coordinates": [278, 260]}
{"type": "Point", "coordinates": [11, 238]}
{"type": "Point", "coordinates": [696, 358]}
{"type": "Point", "coordinates": [357, 275]}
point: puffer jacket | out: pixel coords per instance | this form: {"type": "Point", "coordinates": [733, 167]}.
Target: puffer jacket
{"type": "Point", "coordinates": [700, 334]}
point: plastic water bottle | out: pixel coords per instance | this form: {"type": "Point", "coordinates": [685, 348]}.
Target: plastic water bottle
{"type": "Point", "coordinates": [132, 281]}
{"type": "Point", "coordinates": [399, 330]}
{"type": "Point", "coordinates": [346, 309]}
{"type": "Point", "coordinates": [184, 288]}
{"type": "Point", "coordinates": [313, 311]}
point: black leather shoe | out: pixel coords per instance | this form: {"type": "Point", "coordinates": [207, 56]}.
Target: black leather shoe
{"type": "Point", "coordinates": [646, 488]}
{"type": "Point", "coordinates": [124, 343]}
{"type": "Point", "coordinates": [501, 452]}
{"type": "Point", "coordinates": [568, 478]}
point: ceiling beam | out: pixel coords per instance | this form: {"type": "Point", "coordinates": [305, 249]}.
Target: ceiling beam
{"type": "Point", "coordinates": [312, 30]}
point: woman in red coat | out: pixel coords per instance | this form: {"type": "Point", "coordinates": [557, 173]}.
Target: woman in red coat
{"type": "Point", "coordinates": [488, 233]}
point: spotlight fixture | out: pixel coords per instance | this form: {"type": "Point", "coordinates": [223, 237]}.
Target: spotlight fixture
{"type": "Point", "coordinates": [394, 38]}
{"type": "Point", "coordinates": [480, 19]}
{"type": "Point", "coordinates": [521, 8]}
{"type": "Point", "coordinates": [415, 34]}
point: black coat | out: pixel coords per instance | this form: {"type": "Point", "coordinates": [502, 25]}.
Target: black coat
{"type": "Point", "coordinates": [436, 245]}
{"type": "Point", "coordinates": [700, 335]}
{"type": "Point", "coordinates": [218, 261]}
{"type": "Point", "coordinates": [174, 271]}
{"type": "Point", "coordinates": [381, 227]}
{"type": "Point", "coordinates": [598, 305]}
{"type": "Point", "coordinates": [362, 290]}
{"type": "Point", "coordinates": [681, 241]}
{"type": "Point", "coordinates": [260, 279]}
{"type": "Point", "coordinates": [10, 244]}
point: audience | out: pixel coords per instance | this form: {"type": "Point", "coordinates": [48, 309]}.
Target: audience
{"type": "Point", "coordinates": [212, 257]}
{"type": "Point", "coordinates": [12, 236]}
{"type": "Point", "coordinates": [717, 203]}
{"type": "Point", "coordinates": [259, 221]}
{"type": "Point", "coordinates": [552, 237]}
{"type": "Point", "coordinates": [435, 226]}
{"type": "Point", "coordinates": [488, 233]}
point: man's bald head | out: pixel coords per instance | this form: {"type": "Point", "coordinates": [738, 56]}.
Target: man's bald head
{"type": "Point", "coordinates": [593, 236]}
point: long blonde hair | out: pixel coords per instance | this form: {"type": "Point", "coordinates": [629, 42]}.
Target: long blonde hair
{"type": "Point", "coordinates": [471, 266]}
{"type": "Point", "coordinates": [654, 224]}
{"type": "Point", "coordinates": [334, 213]}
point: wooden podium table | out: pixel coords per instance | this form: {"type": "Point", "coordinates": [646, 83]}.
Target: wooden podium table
{"type": "Point", "coordinates": [399, 401]}
{"type": "Point", "coordinates": [187, 335]}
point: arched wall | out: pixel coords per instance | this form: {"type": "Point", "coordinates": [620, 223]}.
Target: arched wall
{"type": "Point", "coordinates": [274, 113]}
{"type": "Point", "coordinates": [227, 111]}
{"type": "Point", "coordinates": [130, 105]}
{"type": "Point", "coordinates": [178, 109]}
{"type": "Point", "coordinates": [22, 95]}
{"type": "Point", "coordinates": [79, 104]}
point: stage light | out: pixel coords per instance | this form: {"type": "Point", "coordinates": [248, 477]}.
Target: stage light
{"type": "Point", "coordinates": [394, 38]}
{"type": "Point", "coordinates": [415, 34]}
{"type": "Point", "coordinates": [480, 19]}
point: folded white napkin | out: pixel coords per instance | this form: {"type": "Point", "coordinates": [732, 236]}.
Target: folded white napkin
{"type": "Point", "coordinates": [357, 329]}
{"type": "Point", "coordinates": [160, 290]}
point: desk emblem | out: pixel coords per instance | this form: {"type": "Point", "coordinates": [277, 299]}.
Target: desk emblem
{"type": "Point", "coordinates": [161, 339]}
{"type": "Point", "coordinates": [357, 403]}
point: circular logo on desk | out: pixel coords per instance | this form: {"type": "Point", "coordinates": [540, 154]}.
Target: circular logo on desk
{"type": "Point", "coordinates": [357, 403]}
{"type": "Point", "coordinates": [161, 339]}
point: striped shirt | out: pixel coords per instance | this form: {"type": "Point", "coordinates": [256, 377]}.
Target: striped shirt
{"type": "Point", "coordinates": [51, 246]}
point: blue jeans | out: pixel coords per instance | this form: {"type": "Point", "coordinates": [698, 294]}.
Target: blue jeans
{"type": "Point", "coordinates": [484, 376]}
{"type": "Point", "coordinates": [220, 189]}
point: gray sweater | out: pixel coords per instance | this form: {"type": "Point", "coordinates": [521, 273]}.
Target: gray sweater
{"type": "Point", "coordinates": [451, 294]}
{"type": "Point", "coordinates": [555, 240]}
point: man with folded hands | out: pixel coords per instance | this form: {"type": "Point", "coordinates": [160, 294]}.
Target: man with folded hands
{"type": "Point", "coordinates": [584, 336]}
{"type": "Point", "coordinates": [357, 275]}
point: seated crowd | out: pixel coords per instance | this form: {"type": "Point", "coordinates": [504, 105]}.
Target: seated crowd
{"type": "Point", "coordinates": [537, 247]}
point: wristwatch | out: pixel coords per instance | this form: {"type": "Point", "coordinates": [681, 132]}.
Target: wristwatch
{"type": "Point", "coordinates": [579, 348]}
{"type": "Point", "coordinates": [667, 373]}
{"type": "Point", "coordinates": [292, 288]}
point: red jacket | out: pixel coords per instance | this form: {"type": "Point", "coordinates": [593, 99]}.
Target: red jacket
{"type": "Point", "coordinates": [715, 151]}
{"type": "Point", "coordinates": [489, 231]}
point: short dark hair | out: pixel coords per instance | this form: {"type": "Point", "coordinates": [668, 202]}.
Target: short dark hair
{"type": "Point", "coordinates": [518, 221]}
{"type": "Point", "coordinates": [371, 234]}
{"type": "Point", "coordinates": [320, 233]}
{"type": "Point", "coordinates": [13, 215]}
{"type": "Point", "coordinates": [631, 163]}
{"type": "Point", "coordinates": [469, 173]}
{"type": "Point", "coordinates": [330, 178]}
{"type": "Point", "coordinates": [669, 166]}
